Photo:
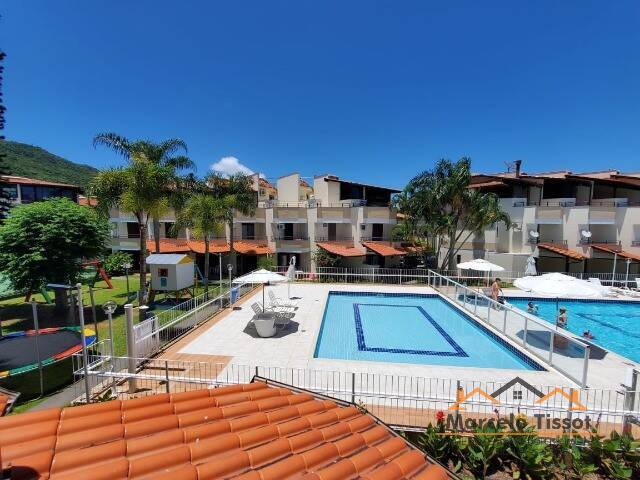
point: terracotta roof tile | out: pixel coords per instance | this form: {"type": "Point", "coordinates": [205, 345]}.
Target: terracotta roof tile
{"type": "Point", "coordinates": [252, 247]}
{"type": "Point", "coordinates": [253, 431]}
{"type": "Point", "coordinates": [341, 249]}
{"type": "Point", "coordinates": [386, 249]}
{"type": "Point", "coordinates": [615, 250]}
{"type": "Point", "coordinates": [35, 181]}
{"type": "Point", "coordinates": [562, 250]}
{"type": "Point", "coordinates": [91, 202]}
{"type": "Point", "coordinates": [169, 245]}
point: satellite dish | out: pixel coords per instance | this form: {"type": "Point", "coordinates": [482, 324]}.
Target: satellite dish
{"type": "Point", "coordinates": [534, 234]}
{"type": "Point", "coordinates": [586, 233]}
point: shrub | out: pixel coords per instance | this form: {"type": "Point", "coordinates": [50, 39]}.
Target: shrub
{"type": "Point", "coordinates": [114, 263]}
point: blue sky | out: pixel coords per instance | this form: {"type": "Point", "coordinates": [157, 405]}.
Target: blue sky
{"type": "Point", "coordinates": [370, 91]}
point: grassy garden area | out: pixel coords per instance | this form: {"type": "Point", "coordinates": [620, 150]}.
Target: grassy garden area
{"type": "Point", "coordinates": [16, 315]}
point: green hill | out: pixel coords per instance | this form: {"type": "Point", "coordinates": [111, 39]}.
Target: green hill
{"type": "Point", "coordinates": [26, 160]}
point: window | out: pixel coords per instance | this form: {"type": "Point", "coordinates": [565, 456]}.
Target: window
{"type": "Point", "coordinates": [28, 193]}
{"type": "Point", "coordinates": [133, 230]}
{"type": "Point", "coordinates": [248, 231]}
{"type": "Point", "coordinates": [517, 394]}
{"type": "Point", "coordinates": [262, 191]}
{"type": "Point", "coordinates": [163, 272]}
{"type": "Point", "coordinates": [377, 231]}
{"type": "Point", "coordinates": [10, 190]}
{"type": "Point", "coordinates": [168, 230]}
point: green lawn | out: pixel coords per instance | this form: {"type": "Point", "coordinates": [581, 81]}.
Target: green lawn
{"type": "Point", "coordinates": [16, 315]}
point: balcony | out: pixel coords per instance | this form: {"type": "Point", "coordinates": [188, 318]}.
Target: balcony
{"type": "Point", "coordinates": [337, 238]}
{"type": "Point", "coordinates": [602, 215]}
{"type": "Point", "coordinates": [292, 243]}
{"type": "Point", "coordinates": [379, 215]}
{"type": "Point", "coordinates": [334, 215]}
{"type": "Point", "coordinates": [549, 215]}
{"type": "Point", "coordinates": [290, 215]}
{"type": "Point", "coordinates": [258, 217]}
{"type": "Point", "coordinates": [591, 241]}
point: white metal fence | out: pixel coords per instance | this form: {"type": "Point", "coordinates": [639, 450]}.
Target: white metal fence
{"type": "Point", "coordinates": [403, 401]}
{"type": "Point", "coordinates": [163, 327]}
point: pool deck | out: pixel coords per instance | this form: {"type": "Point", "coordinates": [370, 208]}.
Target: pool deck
{"type": "Point", "coordinates": [231, 341]}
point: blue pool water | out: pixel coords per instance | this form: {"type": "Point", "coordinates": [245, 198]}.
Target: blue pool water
{"type": "Point", "coordinates": [410, 329]}
{"type": "Point", "coordinates": [615, 325]}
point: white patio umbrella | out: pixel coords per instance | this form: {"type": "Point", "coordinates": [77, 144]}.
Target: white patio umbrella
{"type": "Point", "coordinates": [560, 285]}
{"type": "Point", "coordinates": [530, 270]}
{"type": "Point", "coordinates": [291, 274]}
{"type": "Point", "coordinates": [480, 265]}
{"type": "Point", "coordinates": [265, 277]}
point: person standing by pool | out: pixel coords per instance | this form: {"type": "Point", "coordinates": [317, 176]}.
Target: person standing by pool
{"type": "Point", "coordinates": [563, 318]}
{"type": "Point", "coordinates": [496, 291]}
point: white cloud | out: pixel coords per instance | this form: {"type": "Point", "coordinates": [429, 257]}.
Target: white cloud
{"type": "Point", "coordinates": [230, 165]}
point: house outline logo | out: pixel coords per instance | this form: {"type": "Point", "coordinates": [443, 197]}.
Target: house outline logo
{"type": "Point", "coordinates": [573, 397]}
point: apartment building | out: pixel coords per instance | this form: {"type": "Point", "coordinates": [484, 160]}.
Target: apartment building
{"type": "Point", "coordinates": [22, 190]}
{"type": "Point", "coordinates": [570, 222]}
{"type": "Point", "coordinates": [349, 219]}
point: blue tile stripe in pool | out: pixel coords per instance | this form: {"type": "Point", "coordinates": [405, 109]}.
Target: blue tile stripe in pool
{"type": "Point", "coordinates": [457, 350]}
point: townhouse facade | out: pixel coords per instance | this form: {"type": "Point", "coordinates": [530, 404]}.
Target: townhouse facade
{"type": "Point", "coordinates": [569, 222]}
{"type": "Point", "coordinates": [23, 190]}
{"type": "Point", "coordinates": [351, 220]}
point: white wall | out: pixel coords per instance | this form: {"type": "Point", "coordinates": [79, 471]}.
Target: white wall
{"type": "Point", "coordinates": [288, 188]}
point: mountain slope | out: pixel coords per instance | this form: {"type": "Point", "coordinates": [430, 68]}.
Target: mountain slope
{"type": "Point", "coordinates": [34, 162]}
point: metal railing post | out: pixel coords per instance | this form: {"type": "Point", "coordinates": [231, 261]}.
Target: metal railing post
{"type": "Point", "coordinates": [524, 332]}
{"type": "Point", "coordinates": [585, 367]}
{"type": "Point", "coordinates": [131, 346]}
{"type": "Point", "coordinates": [551, 339]}
{"type": "Point", "coordinates": [353, 387]}
{"type": "Point", "coordinates": [85, 357]}
{"type": "Point", "coordinates": [504, 322]}
{"type": "Point", "coordinates": [166, 375]}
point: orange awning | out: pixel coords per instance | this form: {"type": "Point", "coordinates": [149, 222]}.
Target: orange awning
{"type": "Point", "coordinates": [385, 249]}
{"type": "Point", "coordinates": [341, 249]}
{"type": "Point", "coordinates": [560, 250]}
{"type": "Point", "coordinates": [612, 250]}
{"type": "Point", "coordinates": [215, 246]}
{"type": "Point", "coordinates": [169, 245]}
{"type": "Point", "coordinates": [252, 247]}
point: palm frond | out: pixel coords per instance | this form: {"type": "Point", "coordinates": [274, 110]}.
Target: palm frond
{"type": "Point", "coordinates": [119, 144]}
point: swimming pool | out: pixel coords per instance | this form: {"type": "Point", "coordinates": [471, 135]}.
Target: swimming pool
{"type": "Point", "coordinates": [613, 324]}
{"type": "Point", "coordinates": [400, 328]}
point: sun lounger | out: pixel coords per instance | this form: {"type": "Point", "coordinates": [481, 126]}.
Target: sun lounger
{"type": "Point", "coordinates": [265, 322]}
{"type": "Point", "coordinates": [277, 302]}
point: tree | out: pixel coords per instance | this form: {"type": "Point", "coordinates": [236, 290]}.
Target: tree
{"type": "Point", "coordinates": [114, 263]}
{"type": "Point", "coordinates": [238, 194]}
{"type": "Point", "coordinates": [205, 216]}
{"type": "Point", "coordinates": [441, 203]}
{"type": "Point", "coordinates": [322, 258]}
{"type": "Point", "coordinates": [145, 186]}
{"type": "Point", "coordinates": [162, 154]}
{"type": "Point", "coordinates": [46, 242]}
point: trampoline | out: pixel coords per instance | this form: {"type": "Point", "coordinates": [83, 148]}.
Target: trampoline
{"type": "Point", "coordinates": [18, 349]}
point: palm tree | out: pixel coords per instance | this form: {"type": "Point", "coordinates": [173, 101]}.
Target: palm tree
{"type": "Point", "coordinates": [442, 202]}
{"type": "Point", "coordinates": [144, 186]}
{"type": "Point", "coordinates": [163, 154]}
{"type": "Point", "coordinates": [238, 194]}
{"type": "Point", "coordinates": [204, 215]}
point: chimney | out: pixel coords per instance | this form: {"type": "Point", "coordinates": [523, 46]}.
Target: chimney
{"type": "Point", "coordinates": [517, 163]}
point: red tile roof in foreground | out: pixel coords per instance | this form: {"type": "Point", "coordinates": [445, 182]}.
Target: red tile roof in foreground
{"type": "Point", "coordinates": [386, 249]}
{"type": "Point", "coordinates": [561, 250]}
{"type": "Point", "coordinates": [341, 249]}
{"type": "Point", "coordinates": [616, 250]}
{"type": "Point", "coordinates": [252, 431]}
{"type": "Point", "coordinates": [175, 245]}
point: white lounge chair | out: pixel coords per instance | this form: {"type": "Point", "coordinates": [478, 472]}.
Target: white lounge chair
{"type": "Point", "coordinates": [278, 302]}
{"type": "Point", "coordinates": [637, 280]}
{"type": "Point", "coordinates": [595, 281]}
